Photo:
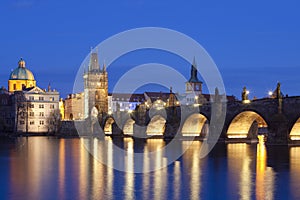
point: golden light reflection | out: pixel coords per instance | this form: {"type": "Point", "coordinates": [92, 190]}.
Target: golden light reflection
{"type": "Point", "coordinates": [30, 165]}
{"type": "Point", "coordinates": [110, 171]}
{"type": "Point", "coordinates": [160, 176]}
{"type": "Point", "coordinates": [129, 167]}
{"type": "Point", "coordinates": [239, 162]}
{"type": "Point", "coordinates": [295, 171]}
{"type": "Point", "coordinates": [98, 169]}
{"type": "Point", "coordinates": [177, 175]}
{"type": "Point", "coordinates": [146, 178]}
{"type": "Point", "coordinates": [264, 175]}
{"type": "Point", "coordinates": [83, 167]}
{"type": "Point", "coordinates": [195, 182]}
{"type": "Point", "coordinates": [62, 168]}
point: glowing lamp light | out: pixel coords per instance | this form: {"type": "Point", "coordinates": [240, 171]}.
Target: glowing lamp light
{"type": "Point", "coordinates": [247, 92]}
{"type": "Point", "coordinates": [237, 136]}
{"type": "Point", "coordinates": [295, 137]}
{"type": "Point", "coordinates": [270, 93]}
{"type": "Point", "coordinates": [109, 112]}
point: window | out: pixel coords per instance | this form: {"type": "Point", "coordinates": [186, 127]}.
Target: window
{"type": "Point", "coordinates": [52, 106]}
{"type": "Point", "coordinates": [22, 122]}
{"type": "Point", "coordinates": [15, 87]}
{"type": "Point", "coordinates": [31, 98]}
{"type": "Point", "coordinates": [41, 106]}
{"type": "Point", "coordinates": [31, 105]}
{"type": "Point", "coordinates": [41, 98]}
{"type": "Point", "coordinates": [41, 114]}
{"type": "Point", "coordinates": [31, 114]}
{"type": "Point", "coordinates": [31, 122]}
{"type": "Point", "coordinates": [41, 122]}
{"type": "Point", "coordinates": [51, 98]}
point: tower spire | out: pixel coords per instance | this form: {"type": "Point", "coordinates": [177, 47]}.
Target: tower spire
{"type": "Point", "coordinates": [104, 66]}
{"type": "Point", "coordinates": [49, 87]}
{"type": "Point", "coordinates": [194, 72]}
{"type": "Point", "coordinates": [94, 63]}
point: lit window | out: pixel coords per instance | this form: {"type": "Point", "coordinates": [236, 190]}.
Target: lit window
{"type": "Point", "coordinates": [51, 98]}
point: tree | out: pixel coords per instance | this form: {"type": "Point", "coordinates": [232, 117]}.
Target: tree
{"type": "Point", "coordinates": [54, 121]}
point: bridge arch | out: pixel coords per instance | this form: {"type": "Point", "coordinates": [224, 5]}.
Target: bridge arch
{"type": "Point", "coordinates": [128, 126]}
{"type": "Point", "coordinates": [156, 125]}
{"type": "Point", "coordinates": [108, 125]}
{"type": "Point", "coordinates": [295, 131]}
{"type": "Point", "coordinates": [245, 124]}
{"type": "Point", "coordinates": [195, 125]}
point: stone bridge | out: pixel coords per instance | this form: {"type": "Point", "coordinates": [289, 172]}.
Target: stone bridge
{"type": "Point", "coordinates": [276, 118]}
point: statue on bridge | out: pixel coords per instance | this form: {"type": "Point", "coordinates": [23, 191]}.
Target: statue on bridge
{"type": "Point", "coordinates": [278, 91]}
{"type": "Point", "coordinates": [245, 94]}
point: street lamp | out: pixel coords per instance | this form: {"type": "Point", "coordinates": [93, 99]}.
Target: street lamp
{"type": "Point", "coordinates": [270, 93]}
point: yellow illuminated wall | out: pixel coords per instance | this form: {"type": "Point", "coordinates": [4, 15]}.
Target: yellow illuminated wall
{"type": "Point", "coordinates": [62, 109]}
{"type": "Point", "coordinates": [17, 85]}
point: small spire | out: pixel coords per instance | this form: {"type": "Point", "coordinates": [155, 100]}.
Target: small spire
{"type": "Point", "coordinates": [194, 62]}
{"type": "Point", "coordinates": [49, 87]}
{"type": "Point", "coordinates": [194, 77]}
{"type": "Point", "coordinates": [171, 90]}
{"type": "Point", "coordinates": [104, 66]}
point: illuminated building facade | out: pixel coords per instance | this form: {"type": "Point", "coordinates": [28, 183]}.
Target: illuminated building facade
{"type": "Point", "coordinates": [36, 110]}
{"type": "Point", "coordinates": [74, 107]}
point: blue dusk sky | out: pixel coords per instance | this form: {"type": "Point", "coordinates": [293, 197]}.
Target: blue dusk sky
{"type": "Point", "coordinates": [253, 43]}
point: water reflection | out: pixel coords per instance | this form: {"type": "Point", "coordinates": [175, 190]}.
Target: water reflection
{"type": "Point", "coordinates": [264, 175]}
{"type": "Point", "coordinates": [49, 168]}
{"type": "Point", "coordinates": [239, 166]}
{"type": "Point", "coordinates": [295, 172]}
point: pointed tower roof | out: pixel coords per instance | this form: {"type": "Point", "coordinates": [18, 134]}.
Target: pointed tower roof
{"type": "Point", "coordinates": [194, 72]}
{"type": "Point", "coordinates": [104, 66]}
{"type": "Point", "coordinates": [94, 63]}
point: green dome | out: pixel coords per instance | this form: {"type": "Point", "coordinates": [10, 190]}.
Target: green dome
{"type": "Point", "coordinates": [21, 73]}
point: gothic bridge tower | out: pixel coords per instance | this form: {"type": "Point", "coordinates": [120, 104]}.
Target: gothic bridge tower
{"type": "Point", "coordinates": [194, 85]}
{"type": "Point", "coordinates": [95, 87]}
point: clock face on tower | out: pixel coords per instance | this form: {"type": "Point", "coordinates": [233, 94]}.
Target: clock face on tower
{"type": "Point", "coordinates": [197, 87]}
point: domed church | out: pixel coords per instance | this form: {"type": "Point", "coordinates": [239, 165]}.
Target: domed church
{"type": "Point", "coordinates": [21, 78]}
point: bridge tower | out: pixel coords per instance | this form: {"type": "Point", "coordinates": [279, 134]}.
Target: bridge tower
{"type": "Point", "coordinates": [95, 87]}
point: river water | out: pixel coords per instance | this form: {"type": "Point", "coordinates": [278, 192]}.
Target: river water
{"type": "Point", "coordinates": [51, 168]}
